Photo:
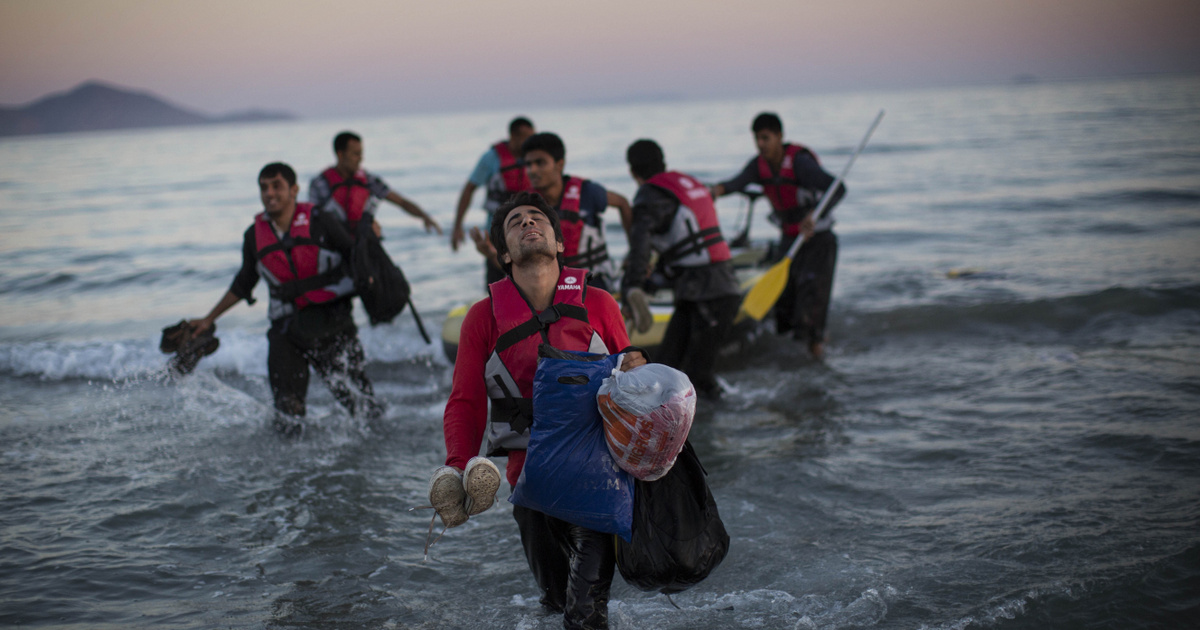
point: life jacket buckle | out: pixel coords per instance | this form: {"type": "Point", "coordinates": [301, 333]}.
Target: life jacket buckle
{"type": "Point", "coordinates": [549, 316]}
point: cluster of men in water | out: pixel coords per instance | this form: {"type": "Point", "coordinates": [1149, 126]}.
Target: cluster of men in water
{"type": "Point", "coordinates": [550, 280]}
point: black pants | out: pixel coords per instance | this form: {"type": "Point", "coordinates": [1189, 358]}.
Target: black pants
{"type": "Point", "coordinates": [804, 305]}
{"type": "Point", "coordinates": [573, 567]}
{"type": "Point", "coordinates": [328, 342]}
{"type": "Point", "coordinates": [693, 337]}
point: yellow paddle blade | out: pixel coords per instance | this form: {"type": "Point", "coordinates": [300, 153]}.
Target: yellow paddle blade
{"type": "Point", "coordinates": [767, 290]}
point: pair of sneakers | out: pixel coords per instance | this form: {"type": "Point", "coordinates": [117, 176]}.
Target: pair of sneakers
{"type": "Point", "coordinates": [457, 496]}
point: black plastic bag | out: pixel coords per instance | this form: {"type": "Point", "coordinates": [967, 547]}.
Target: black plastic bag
{"type": "Point", "coordinates": [678, 536]}
{"type": "Point", "coordinates": [378, 281]}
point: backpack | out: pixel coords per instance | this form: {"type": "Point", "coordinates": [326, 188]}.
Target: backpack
{"type": "Point", "coordinates": [678, 536]}
{"type": "Point", "coordinates": [379, 282]}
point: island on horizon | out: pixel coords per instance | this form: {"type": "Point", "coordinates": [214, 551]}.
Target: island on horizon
{"type": "Point", "coordinates": [95, 106]}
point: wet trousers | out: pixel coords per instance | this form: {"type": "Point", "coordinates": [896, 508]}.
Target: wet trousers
{"type": "Point", "coordinates": [804, 305]}
{"type": "Point", "coordinates": [573, 567]}
{"type": "Point", "coordinates": [337, 358]}
{"type": "Point", "coordinates": [694, 336]}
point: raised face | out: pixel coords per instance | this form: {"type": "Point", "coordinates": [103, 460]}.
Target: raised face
{"type": "Point", "coordinates": [769, 143]}
{"type": "Point", "coordinates": [543, 171]}
{"type": "Point", "coordinates": [349, 158]}
{"type": "Point", "coordinates": [528, 234]}
{"type": "Point", "coordinates": [518, 137]}
{"type": "Point", "coordinates": [277, 194]}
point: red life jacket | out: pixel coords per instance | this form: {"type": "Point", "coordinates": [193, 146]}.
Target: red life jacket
{"type": "Point", "coordinates": [778, 187]}
{"type": "Point", "coordinates": [511, 169]}
{"type": "Point", "coordinates": [352, 194]}
{"type": "Point", "coordinates": [511, 365]}
{"type": "Point", "coordinates": [694, 238]}
{"type": "Point", "coordinates": [583, 243]}
{"type": "Point", "coordinates": [292, 267]}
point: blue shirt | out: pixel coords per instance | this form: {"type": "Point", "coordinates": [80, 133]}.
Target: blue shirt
{"type": "Point", "coordinates": [488, 166]}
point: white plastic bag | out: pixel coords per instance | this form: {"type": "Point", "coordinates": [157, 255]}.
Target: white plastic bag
{"type": "Point", "coordinates": [647, 414]}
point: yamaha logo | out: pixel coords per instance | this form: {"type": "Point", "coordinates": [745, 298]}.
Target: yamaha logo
{"type": "Point", "coordinates": [570, 280]}
{"type": "Point", "coordinates": [301, 219]}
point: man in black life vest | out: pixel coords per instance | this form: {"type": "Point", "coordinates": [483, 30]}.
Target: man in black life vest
{"type": "Point", "coordinates": [348, 191]}
{"type": "Point", "coordinates": [794, 181]}
{"type": "Point", "coordinates": [539, 301]}
{"type": "Point", "coordinates": [674, 215]}
{"type": "Point", "coordinates": [580, 204]}
{"type": "Point", "coordinates": [501, 173]}
{"type": "Point", "coordinates": [299, 250]}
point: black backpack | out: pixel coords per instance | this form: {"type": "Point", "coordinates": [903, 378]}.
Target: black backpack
{"type": "Point", "coordinates": [678, 536]}
{"type": "Point", "coordinates": [379, 282]}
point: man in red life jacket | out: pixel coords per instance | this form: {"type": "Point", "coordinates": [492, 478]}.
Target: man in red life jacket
{"type": "Point", "coordinates": [348, 191]}
{"type": "Point", "coordinates": [299, 250]}
{"type": "Point", "coordinates": [501, 173]}
{"type": "Point", "coordinates": [540, 300]}
{"type": "Point", "coordinates": [580, 204]}
{"type": "Point", "coordinates": [674, 215]}
{"type": "Point", "coordinates": [794, 181]}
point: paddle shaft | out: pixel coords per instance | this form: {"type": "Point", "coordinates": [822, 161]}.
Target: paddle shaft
{"type": "Point", "coordinates": [819, 213]}
{"type": "Point", "coordinates": [421, 327]}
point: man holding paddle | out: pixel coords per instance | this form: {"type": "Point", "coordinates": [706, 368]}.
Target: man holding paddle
{"type": "Point", "coordinates": [794, 181]}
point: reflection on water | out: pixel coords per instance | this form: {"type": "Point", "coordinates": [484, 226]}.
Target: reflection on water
{"type": "Point", "coordinates": [1012, 448]}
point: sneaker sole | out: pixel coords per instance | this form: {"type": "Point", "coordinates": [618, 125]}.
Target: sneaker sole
{"type": "Point", "coordinates": [481, 481]}
{"type": "Point", "coordinates": [446, 497]}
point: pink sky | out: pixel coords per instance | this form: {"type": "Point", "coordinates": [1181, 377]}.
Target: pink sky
{"type": "Point", "coordinates": [384, 56]}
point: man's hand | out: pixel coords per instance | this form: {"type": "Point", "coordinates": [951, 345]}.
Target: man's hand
{"type": "Point", "coordinates": [197, 326]}
{"type": "Point", "coordinates": [482, 243]}
{"type": "Point", "coordinates": [632, 360]}
{"type": "Point", "coordinates": [808, 226]}
{"type": "Point", "coordinates": [377, 229]}
{"type": "Point", "coordinates": [457, 236]}
{"type": "Point", "coordinates": [636, 309]}
{"type": "Point", "coordinates": [430, 224]}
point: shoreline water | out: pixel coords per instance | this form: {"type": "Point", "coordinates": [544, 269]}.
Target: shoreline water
{"type": "Point", "coordinates": [1012, 449]}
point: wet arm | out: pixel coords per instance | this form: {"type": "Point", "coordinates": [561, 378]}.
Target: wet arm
{"type": "Point", "coordinates": [414, 210]}
{"type": "Point", "coordinates": [465, 419]}
{"type": "Point", "coordinates": [811, 176]}
{"type": "Point", "coordinates": [651, 207]}
{"type": "Point", "coordinates": [618, 201]}
{"type": "Point", "coordinates": [738, 183]}
{"type": "Point", "coordinates": [464, 202]}
{"type": "Point", "coordinates": [241, 289]}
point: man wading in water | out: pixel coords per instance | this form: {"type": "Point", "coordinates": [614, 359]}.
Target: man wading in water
{"type": "Point", "coordinates": [540, 301]}
{"type": "Point", "coordinates": [298, 250]}
{"type": "Point", "coordinates": [794, 181]}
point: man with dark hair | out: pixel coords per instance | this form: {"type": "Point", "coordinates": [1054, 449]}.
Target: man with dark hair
{"type": "Point", "coordinates": [580, 204]}
{"type": "Point", "coordinates": [674, 215]}
{"type": "Point", "coordinates": [349, 192]}
{"type": "Point", "coordinates": [794, 181]}
{"type": "Point", "coordinates": [501, 173]}
{"type": "Point", "coordinates": [300, 251]}
{"type": "Point", "coordinates": [539, 301]}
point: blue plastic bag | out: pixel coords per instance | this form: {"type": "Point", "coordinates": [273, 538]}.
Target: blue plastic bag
{"type": "Point", "coordinates": [569, 473]}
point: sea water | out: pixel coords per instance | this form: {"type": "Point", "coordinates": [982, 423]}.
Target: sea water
{"type": "Point", "coordinates": [1016, 447]}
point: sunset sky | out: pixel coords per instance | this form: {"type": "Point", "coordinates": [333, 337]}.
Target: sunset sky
{"type": "Point", "coordinates": [385, 56]}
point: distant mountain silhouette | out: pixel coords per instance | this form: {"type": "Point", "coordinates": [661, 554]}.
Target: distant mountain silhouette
{"type": "Point", "coordinates": [93, 106]}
